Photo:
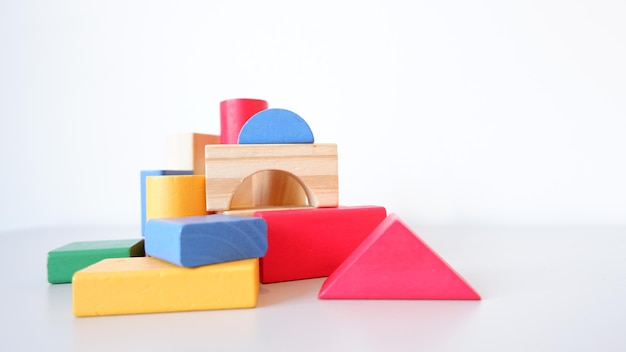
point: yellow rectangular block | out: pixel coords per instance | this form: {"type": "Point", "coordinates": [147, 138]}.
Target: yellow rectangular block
{"type": "Point", "coordinates": [148, 285]}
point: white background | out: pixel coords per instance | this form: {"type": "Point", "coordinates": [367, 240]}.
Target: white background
{"type": "Point", "coordinates": [445, 112]}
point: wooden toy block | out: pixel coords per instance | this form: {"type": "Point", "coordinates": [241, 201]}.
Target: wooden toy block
{"type": "Point", "coordinates": [269, 188]}
{"type": "Point", "coordinates": [146, 173]}
{"type": "Point", "coordinates": [313, 165]}
{"type": "Point", "coordinates": [233, 115]}
{"type": "Point", "coordinates": [185, 151]}
{"type": "Point", "coordinates": [394, 263]}
{"type": "Point", "coordinates": [64, 261]}
{"type": "Point", "coordinates": [251, 211]}
{"type": "Point", "coordinates": [175, 196]}
{"type": "Point", "coordinates": [149, 285]}
{"type": "Point", "coordinates": [275, 126]}
{"type": "Point", "coordinates": [313, 242]}
{"type": "Point", "coordinates": [201, 240]}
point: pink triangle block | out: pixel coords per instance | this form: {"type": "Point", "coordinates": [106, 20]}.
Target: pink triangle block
{"type": "Point", "coordinates": [394, 263]}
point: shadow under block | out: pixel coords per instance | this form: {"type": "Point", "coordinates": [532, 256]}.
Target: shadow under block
{"type": "Point", "coordinates": [149, 285]}
{"type": "Point", "coordinates": [201, 240]}
{"type": "Point", "coordinates": [64, 261]}
{"type": "Point", "coordinates": [309, 243]}
{"type": "Point", "coordinates": [394, 263]}
{"type": "Point", "coordinates": [272, 126]}
{"type": "Point", "coordinates": [146, 173]}
{"type": "Point", "coordinates": [314, 165]}
{"type": "Point", "coordinates": [233, 115]}
{"type": "Point", "coordinates": [175, 196]}
{"type": "Point", "coordinates": [185, 151]}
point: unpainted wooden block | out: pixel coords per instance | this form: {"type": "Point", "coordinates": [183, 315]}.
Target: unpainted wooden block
{"type": "Point", "coordinates": [313, 165]}
{"type": "Point", "coordinates": [394, 263]}
{"type": "Point", "coordinates": [64, 261]}
{"type": "Point", "coordinates": [269, 188]}
{"type": "Point", "coordinates": [185, 151]}
{"type": "Point", "coordinates": [251, 211]}
{"type": "Point", "coordinates": [149, 285]}
{"type": "Point", "coordinates": [202, 240]}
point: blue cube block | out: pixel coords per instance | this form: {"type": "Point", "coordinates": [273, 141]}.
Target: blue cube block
{"type": "Point", "coordinates": [193, 241]}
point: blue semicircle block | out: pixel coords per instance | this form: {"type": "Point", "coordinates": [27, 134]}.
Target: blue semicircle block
{"type": "Point", "coordinates": [275, 126]}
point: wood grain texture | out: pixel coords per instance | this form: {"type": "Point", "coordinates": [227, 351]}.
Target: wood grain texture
{"type": "Point", "coordinates": [313, 165]}
{"type": "Point", "coordinates": [185, 151]}
{"type": "Point", "coordinates": [251, 211]}
{"type": "Point", "coordinates": [269, 188]}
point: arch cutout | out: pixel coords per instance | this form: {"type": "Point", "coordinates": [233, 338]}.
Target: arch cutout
{"type": "Point", "coordinates": [313, 165]}
{"type": "Point", "coordinates": [269, 189]}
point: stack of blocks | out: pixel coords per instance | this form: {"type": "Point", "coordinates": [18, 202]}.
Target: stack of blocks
{"type": "Point", "coordinates": [257, 204]}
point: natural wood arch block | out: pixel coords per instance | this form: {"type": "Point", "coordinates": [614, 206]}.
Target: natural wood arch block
{"type": "Point", "coordinates": [315, 166]}
{"type": "Point", "coordinates": [269, 188]}
{"type": "Point", "coordinates": [251, 211]}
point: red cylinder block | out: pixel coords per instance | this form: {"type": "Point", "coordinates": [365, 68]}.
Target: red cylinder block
{"type": "Point", "coordinates": [233, 115]}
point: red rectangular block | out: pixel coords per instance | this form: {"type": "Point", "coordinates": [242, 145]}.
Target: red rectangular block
{"type": "Point", "coordinates": [313, 242]}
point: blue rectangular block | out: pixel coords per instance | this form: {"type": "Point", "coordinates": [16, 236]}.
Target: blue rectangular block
{"type": "Point", "coordinates": [146, 173]}
{"type": "Point", "coordinates": [193, 241]}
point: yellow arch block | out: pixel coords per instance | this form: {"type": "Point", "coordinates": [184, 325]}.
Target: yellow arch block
{"type": "Point", "coordinates": [175, 196]}
{"type": "Point", "coordinates": [148, 285]}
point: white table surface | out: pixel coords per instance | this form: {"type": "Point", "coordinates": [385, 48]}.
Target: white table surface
{"type": "Point", "coordinates": [543, 289]}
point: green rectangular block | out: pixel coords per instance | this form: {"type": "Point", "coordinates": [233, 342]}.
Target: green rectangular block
{"type": "Point", "coordinates": [64, 261]}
